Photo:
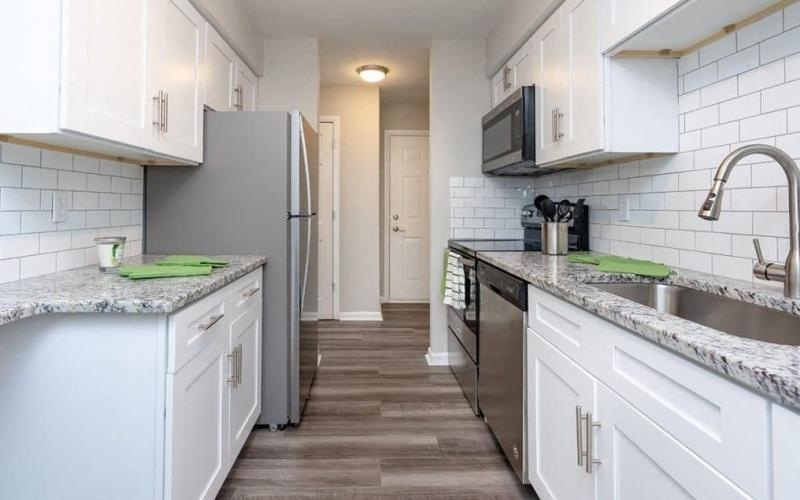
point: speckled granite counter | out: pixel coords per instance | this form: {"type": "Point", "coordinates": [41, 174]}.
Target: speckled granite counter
{"type": "Point", "coordinates": [87, 290]}
{"type": "Point", "coordinates": [771, 369]}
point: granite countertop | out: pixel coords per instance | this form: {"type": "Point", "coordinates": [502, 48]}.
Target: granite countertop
{"type": "Point", "coordinates": [87, 290]}
{"type": "Point", "coordinates": [771, 369]}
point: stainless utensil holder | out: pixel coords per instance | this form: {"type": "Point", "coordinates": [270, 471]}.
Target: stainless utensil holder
{"type": "Point", "coordinates": [555, 238]}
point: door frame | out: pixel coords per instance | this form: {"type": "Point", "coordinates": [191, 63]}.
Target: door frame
{"type": "Point", "coordinates": [336, 121]}
{"type": "Point", "coordinates": [387, 205]}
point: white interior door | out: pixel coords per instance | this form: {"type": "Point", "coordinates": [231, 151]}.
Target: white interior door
{"type": "Point", "coordinates": [408, 214]}
{"type": "Point", "coordinates": [325, 217]}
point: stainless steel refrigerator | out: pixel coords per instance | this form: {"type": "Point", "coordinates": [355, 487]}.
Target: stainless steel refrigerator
{"type": "Point", "coordinates": [255, 193]}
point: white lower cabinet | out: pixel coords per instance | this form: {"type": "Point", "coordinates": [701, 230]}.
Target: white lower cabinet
{"type": "Point", "coordinates": [245, 401]}
{"type": "Point", "coordinates": [663, 426]}
{"type": "Point", "coordinates": [197, 425]}
{"type": "Point", "coordinates": [214, 399]}
{"type": "Point", "coordinates": [560, 393]}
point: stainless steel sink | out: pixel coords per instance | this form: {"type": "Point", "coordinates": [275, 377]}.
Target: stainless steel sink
{"type": "Point", "coordinates": [721, 313]}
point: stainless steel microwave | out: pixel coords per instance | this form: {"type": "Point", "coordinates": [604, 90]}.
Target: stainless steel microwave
{"type": "Point", "coordinates": [509, 146]}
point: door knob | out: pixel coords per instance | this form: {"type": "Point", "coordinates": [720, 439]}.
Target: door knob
{"type": "Point", "coordinates": [395, 217]}
{"type": "Point", "coordinates": [396, 229]}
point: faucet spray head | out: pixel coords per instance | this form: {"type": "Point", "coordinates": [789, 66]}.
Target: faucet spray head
{"type": "Point", "coordinates": [713, 205]}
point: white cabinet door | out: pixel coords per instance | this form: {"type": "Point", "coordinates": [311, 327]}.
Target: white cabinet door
{"type": "Point", "coordinates": [245, 401]}
{"type": "Point", "coordinates": [220, 72]}
{"type": "Point", "coordinates": [521, 64]}
{"type": "Point", "coordinates": [557, 390]}
{"type": "Point", "coordinates": [500, 85]}
{"type": "Point", "coordinates": [639, 460]}
{"type": "Point", "coordinates": [582, 124]}
{"type": "Point", "coordinates": [248, 87]}
{"type": "Point", "coordinates": [621, 19]}
{"type": "Point", "coordinates": [197, 425]}
{"type": "Point", "coordinates": [547, 43]}
{"type": "Point", "coordinates": [105, 70]}
{"type": "Point", "coordinates": [785, 450]}
{"type": "Point", "coordinates": [179, 44]}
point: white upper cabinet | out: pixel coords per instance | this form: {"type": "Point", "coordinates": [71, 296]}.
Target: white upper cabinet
{"type": "Point", "coordinates": [177, 52]}
{"type": "Point", "coordinates": [518, 72]}
{"type": "Point", "coordinates": [113, 77]}
{"type": "Point", "coordinates": [248, 87]}
{"type": "Point", "coordinates": [220, 72]}
{"type": "Point", "coordinates": [230, 85]}
{"type": "Point", "coordinates": [549, 49]}
{"type": "Point", "coordinates": [582, 105]}
{"type": "Point", "coordinates": [105, 70]}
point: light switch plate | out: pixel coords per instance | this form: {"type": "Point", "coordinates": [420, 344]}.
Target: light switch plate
{"type": "Point", "coordinates": [60, 209]}
{"type": "Point", "coordinates": [624, 209]}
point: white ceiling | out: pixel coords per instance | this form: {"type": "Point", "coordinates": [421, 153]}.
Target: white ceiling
{"type": "Point", "coordinates": [394, 33]}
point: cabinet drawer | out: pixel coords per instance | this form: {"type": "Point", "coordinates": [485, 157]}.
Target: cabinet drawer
{"type": "Point", "coordinates": [245, 292]}
{"type": "Point", "coordinates": [196, 327]}
{"type": "Point", "coordinates": [567, 327]}
{"type": "Point", "coordinates": [724, 424]}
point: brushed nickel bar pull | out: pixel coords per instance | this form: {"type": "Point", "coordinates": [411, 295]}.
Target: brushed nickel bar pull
{"type": "Point", "coordinates": [554, 123]}
{"type": "Point", "coordinates": [157, 110]}
{"type": "Point", "coordinates": [213, 320]}
{"type": "Point", "coordinates": [238, 365]}
{"type": "Point", "coordinates": [163, 111]}
{"type": "Point", "coordinates": [559, 116]}
{"type": "Point", "coordinates": [231, 380]}
{"type": "Point", "coordinates": [590, 460]}
{"type": "Point", "coordinates": [166, 113]}
{"type": "Point", "coordinates": [506, 73]}
{"type": "Point", "coordinates": [249, 293]}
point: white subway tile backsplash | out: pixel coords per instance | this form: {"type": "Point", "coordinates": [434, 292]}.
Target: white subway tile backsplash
{"type": "Point", "coordinates": [36, 265]}
{"type": "Point", "coordinates": [782, 96]}
{"type": "Point", "coordinates": [21, 155]}
{"type": "Point", "coordinates": [56, 160]}
{"type": "Point", "coordinates": [764, 125]}
{"type": "Point", "coordinates": [742, 107]}
{"type": "Point", "coordinates": [702, 118]}
{"type": "Point", "coordinates": [700, 77]}
{"type": "Point", "coordinates": [755, 199]}
{"type": "Point", "coordinates": [718, 92]}
{"type": "Point", "coordinates": [696, 261]}
{"type": "Point", "coordinates": [31, 244]}
{"type": "Point", "coordinates": [762, 77]}
{"type": "Point", "coordinates": [73, 181]}
{"type": "Point", "coordinates": [689, 102]}
{"type": "Point", "coordinates": [777, 47]}
{"type": "Point", "coordinates": [688, 63]}
{"type": "Point", "coordinates": [19, 199]}
{"type": "Point", "coordinates": [718, 49]}
{"type": "Point", "coordinates": [721, 134]}
{"type": "Point", "coordinates": [733, 267]}
{"type": "Point", "coordinates": [759, 30]}
{"type": "Point", "coordinates": [715, 243]}
{"type": "Point", "coordinates": [771, 223]}
{"type": "Point", "coordinates": [734, 223]}
{"type": "Point", "coordinates": [738, 63]}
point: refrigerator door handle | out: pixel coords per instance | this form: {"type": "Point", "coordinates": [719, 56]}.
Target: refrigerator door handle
{"type": "Point", "coordinates": [300, 216]}
{"type": "Point", "coordinates": [308, 196]}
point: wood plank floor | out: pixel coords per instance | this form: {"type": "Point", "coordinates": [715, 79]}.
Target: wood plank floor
{"type": "Point", "coordinates": [380, 423]}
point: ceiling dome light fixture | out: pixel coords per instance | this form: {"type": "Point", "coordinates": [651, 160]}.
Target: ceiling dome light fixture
{"type": "Point", "coordinates": [372, 73]}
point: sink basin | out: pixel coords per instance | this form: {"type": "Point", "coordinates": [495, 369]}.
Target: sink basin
{"type": "Point", "coordinates": [721, 313]}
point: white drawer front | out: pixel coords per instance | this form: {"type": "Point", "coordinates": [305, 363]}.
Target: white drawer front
{"type": "Point", "coordinates": [245, 292]}
{"type": "Point", "coordinates": [197, 326]}
{"type": "Point", "coordinates": [564, 325]}
{"type": "Point", "coordinates": [724, 424]}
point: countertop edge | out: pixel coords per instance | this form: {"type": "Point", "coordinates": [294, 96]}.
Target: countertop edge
{"type": "Point", "coordinates": [647, 323]}
{"type": "Point", "coordinates": [30, 309]}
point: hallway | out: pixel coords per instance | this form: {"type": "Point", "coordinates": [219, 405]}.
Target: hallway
{"type": "Point", "coordinates": [381, 423]}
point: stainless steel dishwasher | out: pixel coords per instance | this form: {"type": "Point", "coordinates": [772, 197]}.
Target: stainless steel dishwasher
{"type": "Point", "coordinates": [501, 377]}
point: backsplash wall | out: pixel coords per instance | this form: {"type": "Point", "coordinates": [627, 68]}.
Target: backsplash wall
{"type": "Point", "coordinates": [488, 207]}
{"type": "Point", "coordinates": [104, 197]}
{"type": "Point", "coordinates": [744, 88]}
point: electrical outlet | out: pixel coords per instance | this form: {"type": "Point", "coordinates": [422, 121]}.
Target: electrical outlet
{"type": "Point", "coordinates": [624, 209]}
{"type": "Point", "coordinates": [60, 209]}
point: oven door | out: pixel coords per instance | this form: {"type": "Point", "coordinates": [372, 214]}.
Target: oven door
{"type": "Point", "coordinates": [469, 315]}
{"type": "Point", "coordinates": [508, 134]}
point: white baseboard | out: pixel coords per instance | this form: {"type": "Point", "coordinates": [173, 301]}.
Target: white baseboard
{"type": "Point", "coordinates": [436, 358]}
{"type": "Point", "coordinates": [361, 316]}
{"type": "Point", "coordinates": [309, 316]}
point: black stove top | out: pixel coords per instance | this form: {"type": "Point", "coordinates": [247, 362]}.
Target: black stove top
{"type": "Point", "coordinates": [470, 247]}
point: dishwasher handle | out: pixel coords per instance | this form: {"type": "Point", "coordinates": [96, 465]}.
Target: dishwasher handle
{"type": "Point", "coordinates": [510, 288]}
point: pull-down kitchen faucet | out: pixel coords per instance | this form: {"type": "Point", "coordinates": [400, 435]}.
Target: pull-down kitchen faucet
{"type": "Point", "coordinates": [788, 273]}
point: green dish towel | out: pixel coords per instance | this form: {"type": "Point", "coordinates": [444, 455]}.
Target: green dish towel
{"type": "Point", "coordinates": [160, 271]}
{"type": "Point", "coordinates": [191, 260]}
{"type": "Point", "coordinates": [615, 264]}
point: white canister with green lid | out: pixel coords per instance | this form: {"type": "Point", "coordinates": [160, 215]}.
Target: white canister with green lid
{"type": "Point", "coordinates": [110, 250]}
